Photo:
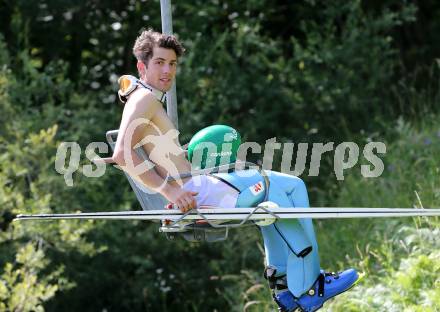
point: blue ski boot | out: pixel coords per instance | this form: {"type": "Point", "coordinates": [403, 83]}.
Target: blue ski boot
{"type": "Point", "coordinates": [328, 285]}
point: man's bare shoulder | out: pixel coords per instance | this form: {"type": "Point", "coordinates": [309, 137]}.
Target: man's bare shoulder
{"type": "Point", "coordinates": [143, 99]}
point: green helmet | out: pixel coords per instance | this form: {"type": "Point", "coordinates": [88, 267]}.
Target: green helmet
{"type": "Point", "coordinates": [214, 146]}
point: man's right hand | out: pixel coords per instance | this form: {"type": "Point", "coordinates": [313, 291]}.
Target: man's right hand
{"type": "Point", "coordinates": [184, 200]}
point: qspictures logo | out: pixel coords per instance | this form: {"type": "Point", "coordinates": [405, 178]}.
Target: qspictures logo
{"type": "Point", "coordinates": [163, 149]}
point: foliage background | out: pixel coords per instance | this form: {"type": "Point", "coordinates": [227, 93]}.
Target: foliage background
{"type": "Point", "coordinates": [306, 71]}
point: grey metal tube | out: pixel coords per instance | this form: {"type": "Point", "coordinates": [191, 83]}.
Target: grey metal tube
{"type": "Point", "coordinates": [167, 28]}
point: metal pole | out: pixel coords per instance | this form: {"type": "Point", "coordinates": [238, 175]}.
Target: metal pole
{"type": "Point", "coordinates": [167, 28]}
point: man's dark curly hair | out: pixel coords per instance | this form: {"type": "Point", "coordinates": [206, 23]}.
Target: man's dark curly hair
{"type": "Point", "coordinates": [148, 39]}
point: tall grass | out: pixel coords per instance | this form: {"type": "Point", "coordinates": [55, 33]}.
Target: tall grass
{"type": "Point", "coordinates": [400, 256]}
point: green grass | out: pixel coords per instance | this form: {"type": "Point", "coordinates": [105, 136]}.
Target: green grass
{"type": "Point", "coordinates": [400, 256]}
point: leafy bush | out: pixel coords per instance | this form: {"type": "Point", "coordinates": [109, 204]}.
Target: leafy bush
{"type": "Point", "coordinates": [30, 273]}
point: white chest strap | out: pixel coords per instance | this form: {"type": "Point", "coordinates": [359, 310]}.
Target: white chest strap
{"type": "Point", "coordinates": [128, 84]}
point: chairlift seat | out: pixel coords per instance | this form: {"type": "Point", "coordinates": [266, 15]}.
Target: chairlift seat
{"type": "Point", "coordinates": [151, 200]}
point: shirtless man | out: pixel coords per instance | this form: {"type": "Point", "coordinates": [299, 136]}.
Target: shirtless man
{"type": "Point", "coordinates": [144, 117]}
{"type": "Point", "coordinates": [292, 259]}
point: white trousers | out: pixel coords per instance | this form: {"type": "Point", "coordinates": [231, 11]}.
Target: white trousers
{"type": "Point", "coordinates": [212, 192]}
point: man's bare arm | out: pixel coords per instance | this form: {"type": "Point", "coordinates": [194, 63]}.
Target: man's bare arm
{"type": "Point", "coordinates": [138, 112]}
